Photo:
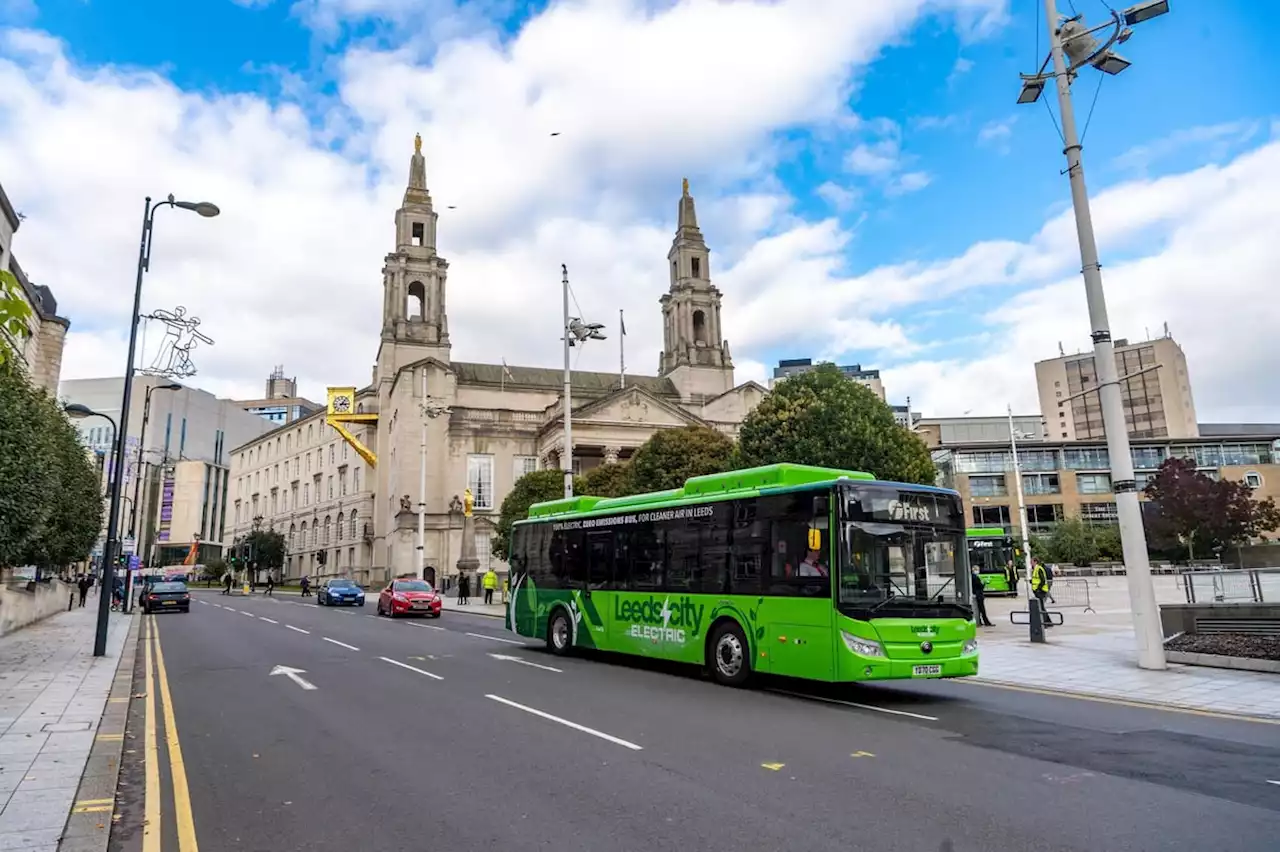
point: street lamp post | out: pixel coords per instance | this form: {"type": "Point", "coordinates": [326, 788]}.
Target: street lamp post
{"type": "Point", "coordinates": [76, 411]}
{"type": "Point", "coordinates": [576, 332]}
{"type": "Point", "coordinates": [1070, 39]}
{"type": "Point", "coordinates": [134, 529]}
{"type": "Point", "coordinates": [208, 210]}
{"type": "Point", "coordinates": [432, 408]}
{"type": "Point", "coordinates": [1035, 617]}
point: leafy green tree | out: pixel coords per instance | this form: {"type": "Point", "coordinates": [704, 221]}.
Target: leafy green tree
{"type": "Point", "coordinates": [214, 569]}
{"type": "Point", "coordinates": [825, 418]}
{"type": "Point", "coordinates": [1070, 541]}
{"type": "Point", "coordinates": [50, 506]}
{"type": "Point", "coordinates": [267, 547]}
{"type": "Point", "coordinates": [1107, 538]}
{"type": "Point", "coordinates": [671, 456]}
{"type": "Point", "coordinates": [539, 486]}
{"type": "Point", "coordinates": [609, 480]}
{"type": "Point", "coordinates": [14, 313]}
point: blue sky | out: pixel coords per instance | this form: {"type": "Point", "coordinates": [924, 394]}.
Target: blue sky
{"type": "Point", "coordinates": [918, 133]}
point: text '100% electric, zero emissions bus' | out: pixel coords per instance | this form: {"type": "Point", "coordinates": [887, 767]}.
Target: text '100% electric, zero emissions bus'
{"type": "Point", "coordinates": [790, 570]}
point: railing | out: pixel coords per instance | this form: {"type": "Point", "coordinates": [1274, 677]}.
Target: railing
{"type": "Point", "coordinates": [1231, 584]}
{"type": "Point", "coordinates": [1070, 593]}
{"type": "Point", "coordinates": [488, 415]}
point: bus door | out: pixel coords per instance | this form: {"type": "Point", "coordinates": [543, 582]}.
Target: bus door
{"type": "Point", "coordinates": [797, 610]}
{"type": "Point", "coordinates": [598, 576]}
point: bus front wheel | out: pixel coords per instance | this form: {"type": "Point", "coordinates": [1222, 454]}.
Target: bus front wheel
{"type": "Point", "coordinates": [730, 657]}
{"type": "Point", "coordinates": [559, 633]}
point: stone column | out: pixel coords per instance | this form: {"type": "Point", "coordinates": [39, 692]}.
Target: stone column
{"type": "Point", "coordinates": [468, 562]}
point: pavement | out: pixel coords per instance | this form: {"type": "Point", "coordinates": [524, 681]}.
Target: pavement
{"type": "Point", "coordinates": [283, 725]}
{"type": "Point", "coordinates": [58, 749]}
{"type": "Point", "coordinates": [1093, 653]}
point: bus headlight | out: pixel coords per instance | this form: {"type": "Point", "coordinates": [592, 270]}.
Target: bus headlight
{"type": "Point", "coordinates": [865, 647]}
{"type": "Point", "coordinates": [970, 647]}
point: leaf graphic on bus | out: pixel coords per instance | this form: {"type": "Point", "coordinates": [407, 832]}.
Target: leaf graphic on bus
{"type": "Point", "coordinates": [751, 614]}
{"type": "Point", "coordinates": [760, 602]}
{"type": "Point", "coordinates": [759, 633]}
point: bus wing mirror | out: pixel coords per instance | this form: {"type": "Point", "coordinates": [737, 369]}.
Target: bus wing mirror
{"type": "Point", "coordinates": [815, 539]}
{"type": "Point", "coordinates": [820, 506]}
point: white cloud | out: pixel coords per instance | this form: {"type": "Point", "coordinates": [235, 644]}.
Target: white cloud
{"type": "Point", "coordinates": [908, 182]}
{"type": "Point", "coordinates": [1217, 140]}
{"type": "Point", "coordinates": [878, 158]}
{"type": "Point", "coordinates": [290, 273]}
{"type": "Point", "coordinates": [997, 134]}
{"type": "Point", "coordinates": [842, 198]}
{"type": "Point", "coordinates": [963, 66]}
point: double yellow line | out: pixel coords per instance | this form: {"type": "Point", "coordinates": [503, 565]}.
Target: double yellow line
{"type": "Point", "coordinates": [151, 832]}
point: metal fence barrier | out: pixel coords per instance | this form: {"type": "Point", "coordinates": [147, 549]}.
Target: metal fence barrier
{"type": "Point", "coordinates": [1070, 593]}
{"type": "Point", "coordinates": [1230, 584]}
{"type": "Point", "coordinates": [1023, 617]}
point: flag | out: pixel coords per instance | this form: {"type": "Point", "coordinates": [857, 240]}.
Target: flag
{"type": "Point", "coordinates": [622, 326]}
{"type": "Point", "coordinates": [506, 371]}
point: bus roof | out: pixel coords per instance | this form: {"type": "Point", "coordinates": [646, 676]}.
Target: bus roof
{"type": "Point", "coordinates": [716, 486]}
{"type": "Point", "coordinates": [986, 532]}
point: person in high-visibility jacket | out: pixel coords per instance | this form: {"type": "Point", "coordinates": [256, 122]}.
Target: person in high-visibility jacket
{"type": "Point", "coordinates": [1040, 588]}
{"type": "Point", "coordinates": [490, 582]}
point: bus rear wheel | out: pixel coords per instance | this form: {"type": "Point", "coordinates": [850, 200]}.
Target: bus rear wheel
{"type": "Point", "coordinates": [730, 659]}
{"type": "Point", "coordinates": [559, 633]}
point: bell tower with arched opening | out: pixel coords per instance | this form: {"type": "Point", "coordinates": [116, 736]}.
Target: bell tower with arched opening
{"type": "Point", "coordinates": [695, 355]}
{"type": "Point", "coordinates": [413, 276]}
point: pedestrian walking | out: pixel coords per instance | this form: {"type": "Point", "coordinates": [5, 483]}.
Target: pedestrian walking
{"type": "Point", "coordinates": [271, 585]}
{"type": "Point", "coordinates": [306, 587]}
{"type": "Point", "coordinates": [464, 590]}
{"type": "Point", "coordinates": [1011, 576]}
{"type": "Point", "coordinates": [490, 582]}
{"type": "Point", "coordinates": [1048, 572]}
{"type": "Point", "coordinates": [226, 583]}
{"type": "Point", "coordinates": [979, 600]}
{"type": "Point", "coordinates": [84, 585]}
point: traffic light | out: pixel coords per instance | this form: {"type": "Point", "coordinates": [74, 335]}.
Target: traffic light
{"type": "Point", "coordinates": [321, 557]}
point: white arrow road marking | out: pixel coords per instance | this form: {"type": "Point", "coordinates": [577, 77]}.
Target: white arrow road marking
{"type": "Point", "coordinates": [410, 668]}
{"type": "Point", "coordinates": [495, 639]}
{"type": "Point", "coordinates": [294, 675]}
{"type": "Point", "coordinates": [592, 731]}
{"type": "Point", "coordinates": [299, 629]}
{"type": "Point", "coordinates": [525, 663]}
{"type": "Point", "coordinates": [343, 644]}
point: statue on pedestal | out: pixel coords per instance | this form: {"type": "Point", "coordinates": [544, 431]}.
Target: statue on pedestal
{"type": "Point", "coordinates": [468, 562]}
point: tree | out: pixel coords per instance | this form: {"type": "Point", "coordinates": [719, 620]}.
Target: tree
{"type": "Point", "coordinates": [823, 417]}
{"type": "Point", "coordinates": [267, 548]}
{"type": "Point", "coordinates": [538, 486]}
{"type": "Point", "coordinates": [214, 569]}
{"type": "Point", "coordinates": [50, 505]}
{"type": "Point", "coordinates": [1189, 510]}
{"type": "Point", "coordinates": [14, 313]}
{"type": "Point", "coordinates": [1070, 541]}
{"type": "Point", "coordinates": [671, 456]}
{"type": "Point", "coordinates": [609, 480]}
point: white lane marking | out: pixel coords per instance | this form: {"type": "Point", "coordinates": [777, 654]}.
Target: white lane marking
{"type": "Point", "coordinates": [370, 616]}
{"type": "Point", "coordinates": [854, 704]}
{"type": "Point", "coordinates": [268, 620]}
{"type": "Point", "coordinates": [523, 662]}
{"type": "Point", "coordinates": [244, 612]}
{"type": "Point", "coordinates": [343, 644]}
{"type": "Point", "coordinates": [428, 626]}
{"type": "Point", "coordinates": [294, 675]}
{"type": "Point", "coordinates": [1277, 783]}
{"type": "Point", "coordinates": [203, 603]}
{"type": "Point", "coordinates": [410, 668]}
{"type": "Point", "coordinates": [299, 629]}
{"type": "Point", "coordinates": [592, 731]}
{"type": "Point", "coordinates": [497, 639]}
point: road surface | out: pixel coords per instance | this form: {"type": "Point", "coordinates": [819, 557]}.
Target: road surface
{"type": "Point", "coordinates": [387, 735]}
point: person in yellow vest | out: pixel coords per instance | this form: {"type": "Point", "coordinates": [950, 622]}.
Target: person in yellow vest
{"type": "Point", "coordinates": [1040, 588]}
{"type": "Point", "coordinates": [490, 582]}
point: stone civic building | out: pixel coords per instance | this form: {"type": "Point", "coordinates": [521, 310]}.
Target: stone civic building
{"type": "Point", "coordinates": [39, 349]}
{"type": "Point", "coordinates": [502, 421]}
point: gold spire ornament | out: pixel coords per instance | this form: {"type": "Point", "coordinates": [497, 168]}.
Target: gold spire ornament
{"type": "Point", "coordinates": [417, 143]}
{"type": "Point", "coordinates": [684, 186]}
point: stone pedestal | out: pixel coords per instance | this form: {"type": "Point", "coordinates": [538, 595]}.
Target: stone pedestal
{"type": "Point", "coordinates": [468, 562]}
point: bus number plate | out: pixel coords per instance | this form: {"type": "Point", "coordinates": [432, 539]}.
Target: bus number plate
{"type": "Point", "coordinates": [925, 671]}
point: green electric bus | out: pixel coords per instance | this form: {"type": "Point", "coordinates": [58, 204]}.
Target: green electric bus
{"type": "Point", "coordinates": [990, 550]}
{"type": "Point", "coordinates": [787, 569]}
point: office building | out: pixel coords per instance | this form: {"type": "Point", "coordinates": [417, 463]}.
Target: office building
{"type": "Point", "coordinates": [182, 424]}
{"type": "Point", "coordinates": [38, 351]}
{"type": "Point", "coordinates": [951, 431]}
{"type": "Point", "coordinates": [1157, 395]}
{"type": "Point", "coordinates": [796, 366]}
{"type": "Point", "coordinates": [308, 482]}
{"type": "Point", "coordinates": [281, 403]}
{"type": "Point", "coordinates": [1072, 479]}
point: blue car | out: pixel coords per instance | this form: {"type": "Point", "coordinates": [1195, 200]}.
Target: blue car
{"type": "Point", "coordinates": [340, 592]}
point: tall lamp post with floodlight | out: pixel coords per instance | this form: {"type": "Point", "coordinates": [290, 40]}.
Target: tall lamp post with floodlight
{"type": "Point", "coordinates": [576, 333]}
{"type": "Point", "coordinates": [208, 210]}
{"type": "Point", "coordinates": [1071, 41]}
{"type": "Point", "coordinates": [76, 411]}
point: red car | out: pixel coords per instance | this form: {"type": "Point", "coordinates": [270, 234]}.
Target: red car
{"type": "Point", "coordinates": [409, 597]}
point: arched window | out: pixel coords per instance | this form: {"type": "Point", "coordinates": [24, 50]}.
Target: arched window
{"type": "Point", "coordinates": [325, 538]}
{"type": "Point", "coordinates": [699, 327]}
{"type": "Point", "coordinates": [338, 530]}
{"type": "Point", "coordinates": [417, 306]}
{"type": "Point", "coordinates": [303, 541]}
{"type": "Point", "coordinates": [293, 531]}
{"type": "Point", "coordinates": [310, 433]}
{"type": "Point", "coordinates": [353, 523]}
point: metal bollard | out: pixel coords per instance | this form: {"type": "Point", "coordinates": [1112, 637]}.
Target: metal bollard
{"type": "Point", "coordinates": [1036, 618]}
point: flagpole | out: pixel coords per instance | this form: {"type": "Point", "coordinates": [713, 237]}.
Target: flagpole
{"type": "Point", "coordinates": [622, 352]}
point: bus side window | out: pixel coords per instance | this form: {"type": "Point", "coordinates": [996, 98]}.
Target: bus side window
{"type": "Point", "coordinates": [599, 557]}
{"type": "Point", "coordinates": [750, 548]}
{"type": "Point", "coordinates": [647, 552]}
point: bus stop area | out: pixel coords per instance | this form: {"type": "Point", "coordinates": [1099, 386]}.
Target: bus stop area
{"type": "Point", "coordinates": [1090, 651]}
